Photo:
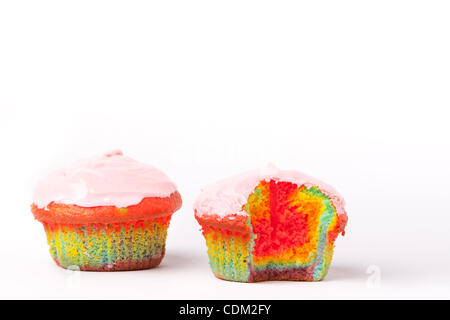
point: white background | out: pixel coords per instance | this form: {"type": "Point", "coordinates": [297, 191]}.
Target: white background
{"type": "Point", "coordinates": [355, 93]}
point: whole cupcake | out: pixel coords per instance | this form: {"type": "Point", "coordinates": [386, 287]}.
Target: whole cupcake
{"type": "Point", "coordinates": [107, 213]}
{"type": "Point", "coordinates": [270, 224]}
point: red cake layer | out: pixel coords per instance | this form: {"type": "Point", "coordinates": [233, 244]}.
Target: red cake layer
{"type": "Point", "coordinates": [279, 223]}
{"type": "Point", "coordinates": [232, 222]}
{"type": "Point", "coordinates": [150, 207]}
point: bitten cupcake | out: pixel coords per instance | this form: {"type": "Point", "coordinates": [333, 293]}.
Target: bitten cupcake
{"type": "Point", "coordinates": [270, 224]}
{"type": "Point", "coordinates": [107, 213]}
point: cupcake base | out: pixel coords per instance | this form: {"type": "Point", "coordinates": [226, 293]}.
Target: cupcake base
{"type": "Point", "coordinates": [230, 259]}
{"type": "Point", "coordinates": [229, 254]}
{"type": "Point", "coordinates": [120, 246]}
{"type": "Point", "coordinates": [122, 265]}
{"type": "Point", "coordinates": [294, 274]}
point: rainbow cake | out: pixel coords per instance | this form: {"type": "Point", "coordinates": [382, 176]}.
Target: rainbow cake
{"type": "Point", "coordinates": [270, 224]}
{"type": "Point", "coordinates": [107, 213]}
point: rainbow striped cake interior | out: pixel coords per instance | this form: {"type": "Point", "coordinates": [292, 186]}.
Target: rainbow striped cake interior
{"type": "Point", "coordinates": [289, 235]}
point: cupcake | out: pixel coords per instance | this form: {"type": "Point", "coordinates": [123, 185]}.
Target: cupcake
{"type": "Point", "coordinates": [107, 213]}
{"type": "Point", "coordinates": [270, 224]}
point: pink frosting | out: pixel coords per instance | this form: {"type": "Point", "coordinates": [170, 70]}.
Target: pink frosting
{"type": "Point", "coordinates": [228, 196]}
{"type": "Point", "coordinates": [108, 180]}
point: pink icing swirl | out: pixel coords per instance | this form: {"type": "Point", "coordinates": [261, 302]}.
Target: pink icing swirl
{"type": "Point", "coordinates": [108, 180]}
